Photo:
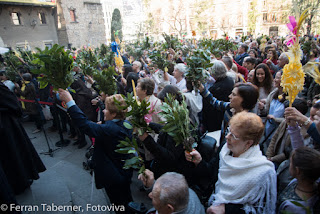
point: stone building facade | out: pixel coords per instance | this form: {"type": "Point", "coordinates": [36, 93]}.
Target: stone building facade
{"type": "Point", "coordinates": [81, 22]}
{"type": "Point", "coordinates": [28, 26]}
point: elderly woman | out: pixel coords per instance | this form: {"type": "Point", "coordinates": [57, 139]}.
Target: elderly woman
{"type": "Point", "coordinates": [108, 165]}
{"type": "Point", "coordinates": [178, 79]}
{"type": "Point", "coordinates": [246, 180]}
{"type": "Point", "coordinates": [145, 90]}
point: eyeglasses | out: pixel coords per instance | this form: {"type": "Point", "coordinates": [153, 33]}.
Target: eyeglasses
{"type": "Point", "coordinates": [229, 132]}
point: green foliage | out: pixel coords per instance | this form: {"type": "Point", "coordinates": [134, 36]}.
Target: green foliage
{"type": "Point", "coordinates": [106, 80]}
{"type": "Point", "coordinates": [137, 113]}
{"type": "Point", "coordinates": [128, 146]}
{"type": "Point", "coordinates": [55, 67]}
{"type": "Point", "coordinates": [159, 58]}
{"type": "Point", "coordinates": [218, 46]}
{"type": "Point", "coordinates": [252, 16]}
{"type": "Point", "coordinates": [177, 123]}
{"type": "Point", "coordinates": [170, 42]}
{"type": "Point", "coordinates": [26, 55]}
{"type": "Point", "coordinates": [146, 43]}
{"type": "Point", "coordinates": [313, 9]}
{"type": "Point", "coordinates": [198, 64]}
{"type": "Point", "coordinates": [116, 24]}
{"type": "Point", "coordinates": [87, 61]}
{"type": "Point", "coordinates": [261, 37]}
{"type": "Point", "coordinates": [137, 118]}
{"type": "Point", "coordinates": [105, 55]}
{"type": "Point", "coordinates": [12, 65]}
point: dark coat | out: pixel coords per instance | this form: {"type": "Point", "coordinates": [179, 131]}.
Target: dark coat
{"type": "Point", "coordinates": [239, 58]}
{"type": "Point", "coordinates": [18, 158]}
{"type": "Point", "coordinates": [131, 76]}
{"type": "Point", "coordinates": [167, 156]}
{"type": "Point", "coordinates": [212, 118]}
{"type": "Point", "coordinates": [83, 97]}
{"type": "Point", "coordinates": [108, 164]}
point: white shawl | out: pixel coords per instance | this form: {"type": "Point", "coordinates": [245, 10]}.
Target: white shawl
{"type": "Point", "coordinates": [249, 179]}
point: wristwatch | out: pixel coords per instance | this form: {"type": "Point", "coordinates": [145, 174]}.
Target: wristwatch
{"type": "Point", "coordinates": [307, 122]}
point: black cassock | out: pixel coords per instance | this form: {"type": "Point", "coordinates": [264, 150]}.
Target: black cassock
{"type": "Point", "coordinates": [19, 160]}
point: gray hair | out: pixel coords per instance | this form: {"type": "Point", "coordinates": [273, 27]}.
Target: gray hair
{"type": "Point", "coordinates": [181, 67]}
{"type": "Point", "coordinates": [218, 70]}
{"type": "Point", "coordinates": [137, 63]}
{"type": "Point", "coordinates": [285, 56]}
{"type": "Point", "coordinates": [174, 190]}
{"type": "Point", "coordinates": [227, 61]}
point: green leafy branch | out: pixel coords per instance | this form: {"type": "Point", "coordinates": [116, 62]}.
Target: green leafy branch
{"type": "Point", "coordinates": [87, 61]}
{"type": "Point", "coordinates": [177, 123]}
{"type": "Point", "coordinates": [106, 81]}
{"type": "Point", "coordinates": [159, 58]}
{"type": "Point", "coordinates": [198, 64]}
{"type": "Point", "coordinates": [54, 66]}
{"type": "Point", "coordinates": [136, 117]}
{"type": "Point", "coordinates": [128, 146]}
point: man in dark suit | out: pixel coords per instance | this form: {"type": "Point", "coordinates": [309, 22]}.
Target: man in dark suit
{"type": "Point", "coordinates": [242, 53]}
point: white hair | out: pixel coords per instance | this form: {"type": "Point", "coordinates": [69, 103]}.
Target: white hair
{"type": "Point", "coordinates": [137, 63]}
{"type": "Point", "coordinates": [182, 68]}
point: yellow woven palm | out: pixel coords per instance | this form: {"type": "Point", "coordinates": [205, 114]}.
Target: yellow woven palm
{"type": "Point", "coordinates": [292, 79]}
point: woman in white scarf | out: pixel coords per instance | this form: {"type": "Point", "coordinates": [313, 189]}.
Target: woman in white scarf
{"type": "Point", "coordinates": [245, 177]}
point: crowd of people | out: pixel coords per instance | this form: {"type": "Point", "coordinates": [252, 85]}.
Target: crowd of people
{"type": "Point", "coordinates": [264, 156]}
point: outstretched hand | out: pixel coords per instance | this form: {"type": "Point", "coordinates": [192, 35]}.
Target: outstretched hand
{"type": "Point", "coordinates": [65, 95]}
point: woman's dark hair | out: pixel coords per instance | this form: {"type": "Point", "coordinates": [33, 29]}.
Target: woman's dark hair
{"type": "Point", "coordinates": [308, 162]}
{"type": "Point", "coordinates": [127, 70]}
{"type": "Point", "coordinates": [267, 82]}
{"type": "Point", "coordinates": [274, 54]}
{"type": "Point", "coordinates": [249, 94]}
{"type": "Point", "coordinates": [255, 52]}
{"type": "Point", "coordinates": [147, 85]}
{"type": "Point", "coordinates": [173, 90]}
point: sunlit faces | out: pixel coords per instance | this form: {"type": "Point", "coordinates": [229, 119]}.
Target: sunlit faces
{"type": "Point", "coordinates": [277, 80]}
{"type": "Point", "coordinates": [235, 99]}
{"type": "Point", "coordinates": [260, 74]}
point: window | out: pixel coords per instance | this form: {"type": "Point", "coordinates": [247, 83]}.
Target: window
{"type": "Point", "coordinates": [42, 18]}
{"type": "Point", "coordinates": [73, 15]}
{"type": "Point", "coordinates": [265, 17]}
{"type": "Point", "coordinates": [16, 18]}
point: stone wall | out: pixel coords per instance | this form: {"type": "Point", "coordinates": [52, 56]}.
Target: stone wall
{"type": "Point", "coordinates": [31, 33]}
{"type": "Point", "coordinates": [88, 28]}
